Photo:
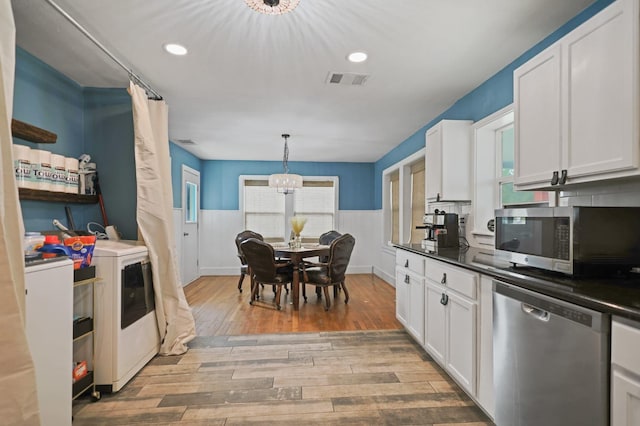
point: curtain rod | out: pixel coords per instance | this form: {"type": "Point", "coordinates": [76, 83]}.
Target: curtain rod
{"type": "Point", "coordinates": [132, 75]}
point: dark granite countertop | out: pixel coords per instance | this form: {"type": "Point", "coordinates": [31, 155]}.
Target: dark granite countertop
{"type": "Point", "coordinates": [619, 295]}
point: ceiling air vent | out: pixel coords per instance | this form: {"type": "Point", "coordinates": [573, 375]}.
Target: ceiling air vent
{"type": "Point", "coordinates": [347, 78]}
{"type": "Point", "coordinates": [186, 142]}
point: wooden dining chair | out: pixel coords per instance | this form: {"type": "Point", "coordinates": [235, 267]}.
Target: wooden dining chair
{"type": "Point", "coordinates": [332, 272]}
{"type": "Point", "coordinates": [244, 268]}
{"type": "Point", "coordinates": [265, 270]}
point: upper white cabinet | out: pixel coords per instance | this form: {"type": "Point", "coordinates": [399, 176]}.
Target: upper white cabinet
{"type": "Point", "coordinates": [448, 161]}
{"type": "Point", "coordinates": [576, 104]}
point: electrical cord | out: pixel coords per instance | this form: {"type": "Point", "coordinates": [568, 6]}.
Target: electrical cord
{"type": "Point", "coordinates": [101, 235]}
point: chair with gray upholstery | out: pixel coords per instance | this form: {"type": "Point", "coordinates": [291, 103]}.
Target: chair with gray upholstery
{"type": "Point", "coordinates": [325, 240]}
{"type": "Point", "coordinates": [244, 269]}
{"type": "Point", "coordinates": [331, 273]}
{"type": "Point", "coordinates": [265, 269]}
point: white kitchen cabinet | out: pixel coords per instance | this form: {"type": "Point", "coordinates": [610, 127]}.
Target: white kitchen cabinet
{"type": "Point", "coordinates": [625, 373]}
{"type": "Point", "coordinates": [415, 325]}
{"type": "Point", "coordinates": [448, 161]}
{"type": "Point", "coordinates": [435, 323]}
{"type": "Point", "coordinates": [485, 346]}
{"type": "Point", "coordinates": [402, 298]}
{"type": "Point", "coordinates": [49, 330]}
{"type": "Point", "coordinates": [538, 136]}
{"type": "Point", "coordinates": [577, 104]}
{"type": "Point", "coordinates": [410, 293]}
{"type": "Point", "coordinates": [451, 321]}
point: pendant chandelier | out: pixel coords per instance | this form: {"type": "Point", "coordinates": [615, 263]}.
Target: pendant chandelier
{"type": "Point", "coordinates": [272, 7]}
{"type": "Point", "coordinates": [285, 183]}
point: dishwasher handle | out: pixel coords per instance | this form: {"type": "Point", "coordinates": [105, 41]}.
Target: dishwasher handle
{"type": "Point", "coordinates": [537, 313]}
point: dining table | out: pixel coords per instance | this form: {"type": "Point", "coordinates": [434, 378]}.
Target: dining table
{"type": "Point", "coordinates": [296, 256]}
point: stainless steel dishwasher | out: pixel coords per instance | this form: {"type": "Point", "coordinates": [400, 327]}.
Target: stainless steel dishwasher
{"type": "Point", "coordinates": [551, 360]}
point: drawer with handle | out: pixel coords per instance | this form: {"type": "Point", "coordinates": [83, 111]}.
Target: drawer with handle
{"type": "Point", "coordinates": [410, 262]}
{"type": "Point", "coordinates": [454, 278]}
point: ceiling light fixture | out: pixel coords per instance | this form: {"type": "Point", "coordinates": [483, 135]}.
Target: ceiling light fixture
{"type": "Point", "coordinates": [272, 7]}
{"type": "Point", "coordinates": [357, 57]}
{"type": "Point", "coordinates": [285, 183]}
{"type": "Point", "coordinates": [175, 49]}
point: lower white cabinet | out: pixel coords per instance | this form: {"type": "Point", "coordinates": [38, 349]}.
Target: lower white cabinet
{"type": "Point", "coordinates": [625, 373]}
{"type": "Point", "coordinates": [451, 320]}
{"type": "Point", "coordinates": [410, 303]}
{"type": "Point", "coordinates": [435, 340]}
{"type": "Point", "coordinates": [402, 298]}
{"type": "Point", "coordinates": [416, 308]}
{"type": "Point", "coordinates": [410, 292]}
{"type": "Point", "coordinates": [485, 346]}
{"type": "Point", "coordinates": [451, 333]}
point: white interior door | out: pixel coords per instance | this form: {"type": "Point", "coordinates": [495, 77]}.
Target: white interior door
{"type": "Point", "coordinates": [190, 218]}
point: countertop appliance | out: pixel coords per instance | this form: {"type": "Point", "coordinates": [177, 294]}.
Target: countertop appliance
{"type": "Point", "coordinates": [126, 329]}
{"type": "Point", "coordinates": [571, 240]}
{"type": "Point", "coordinates": [441, 230]}
{"type": "Point", "coordinates": [551, 360]}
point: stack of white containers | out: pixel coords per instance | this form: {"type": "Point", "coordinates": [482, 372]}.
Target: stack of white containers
{"type": "Point", "coordinates": [40, 169]}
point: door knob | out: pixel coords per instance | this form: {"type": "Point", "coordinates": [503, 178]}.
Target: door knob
{"type": "Point", "coordinates": [186, 234]}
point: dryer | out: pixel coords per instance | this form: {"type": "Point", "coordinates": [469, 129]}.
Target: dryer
{"type": "Point", "coordinates": [126, 330]}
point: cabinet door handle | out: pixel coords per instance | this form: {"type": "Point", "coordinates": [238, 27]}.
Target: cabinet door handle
{"type": "Point", "coordinates": [407, 279]}
{"type": "Point", "coordinates": [554, 178]}
{"type": "Point", "coordinates": [444, 299]}
{"type": "Point", "coordinates": [406, 264]}
{"type": "Point", "coordinates": [444, 278]}
{"type": "Point", "coordinates": [563, 177]}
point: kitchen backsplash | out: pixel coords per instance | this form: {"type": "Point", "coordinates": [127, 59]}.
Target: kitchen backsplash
{"type": "Point", "coordinates": [624, 194]}
{"type": "Point", "coordinates": [613, 194]}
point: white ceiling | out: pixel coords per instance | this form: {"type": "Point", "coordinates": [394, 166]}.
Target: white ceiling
{"type": "Point", "coordinates": [249, 77]}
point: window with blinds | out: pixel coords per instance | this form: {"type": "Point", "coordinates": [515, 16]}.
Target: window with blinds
{"type": "Point", "coordinates": [418, 205]}
{"type": "Point", "coordinates": [264, 210]}
{"type": "Point", "coordinates": [315, 201]}
{"type": "Point", "coordinates": [269, 213]}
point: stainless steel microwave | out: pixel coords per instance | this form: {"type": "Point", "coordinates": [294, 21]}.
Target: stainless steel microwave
{"type": "Point", "coordinates": [571, 240]}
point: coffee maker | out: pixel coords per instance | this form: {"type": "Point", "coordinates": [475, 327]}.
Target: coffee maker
{"type": "Point", "coordinates": [441, 230]}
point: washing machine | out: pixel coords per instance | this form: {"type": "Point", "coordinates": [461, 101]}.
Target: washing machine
{"type": "Point", "coordinates": [126, 330]}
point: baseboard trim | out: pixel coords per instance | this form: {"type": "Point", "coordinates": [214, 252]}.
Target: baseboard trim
{"type": "Point", "coordinates": [383, 275]}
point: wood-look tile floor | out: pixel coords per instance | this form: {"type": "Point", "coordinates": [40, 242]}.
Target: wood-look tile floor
{"type": "Point", "coordinates": [379, 377]}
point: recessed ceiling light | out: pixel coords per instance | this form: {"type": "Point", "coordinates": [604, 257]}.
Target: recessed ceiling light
{"type": "Point", "coordinates": [357, 57]}
{"type": "Point", "coordinates": [175, 49]}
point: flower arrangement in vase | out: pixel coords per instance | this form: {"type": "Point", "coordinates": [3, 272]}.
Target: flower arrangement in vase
{"type": "Point", "coordinates": [297, 225]}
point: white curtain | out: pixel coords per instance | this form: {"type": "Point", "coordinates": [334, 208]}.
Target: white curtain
{"type": "Point", "coordinates": [155, 220]}
{"type": "Point", "coordinates": [19, 401]}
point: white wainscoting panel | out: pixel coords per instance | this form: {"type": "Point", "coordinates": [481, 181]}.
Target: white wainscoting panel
{"type": "Point", "coordinates": [177, 235]}
{"type": "Point", "coordinates": [218, 229]}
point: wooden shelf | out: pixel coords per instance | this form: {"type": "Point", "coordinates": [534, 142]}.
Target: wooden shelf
{"type": "Point", "coordinates": [61, 197]}
{"type": "Point", "coordinates": [28, 132]}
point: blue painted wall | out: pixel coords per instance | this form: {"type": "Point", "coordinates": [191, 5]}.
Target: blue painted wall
{"type": "Point", "coordinates": [45, 98]}
{"type": "Point", "coordinates": [94, 121]}
{"type": "Point", "coordinates": [180, 156]}
{"type": "Point", "coordinates": [220, 181]}
{"type": "Point", "coordinates": [489, 97]}
{"type": "Point", "coordinates": [110, 142]}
